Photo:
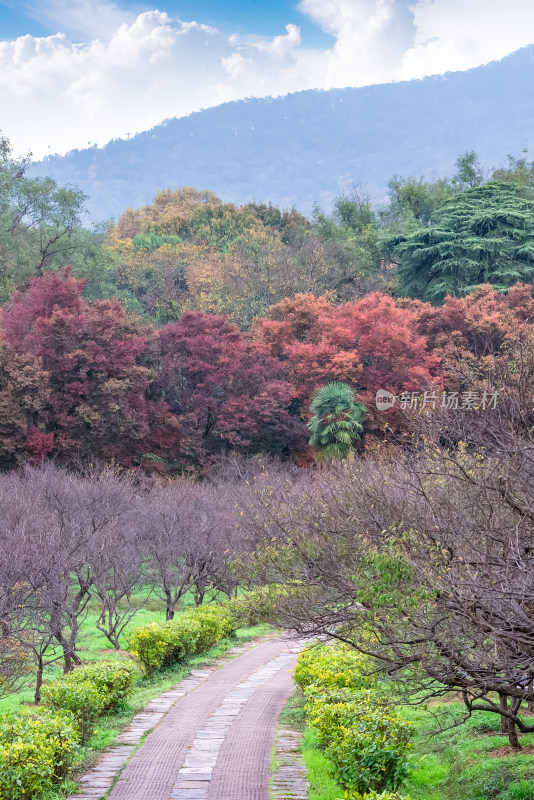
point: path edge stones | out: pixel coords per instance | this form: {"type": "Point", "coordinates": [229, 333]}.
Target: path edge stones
{"type": "Point", "coordinates": [289, 781]}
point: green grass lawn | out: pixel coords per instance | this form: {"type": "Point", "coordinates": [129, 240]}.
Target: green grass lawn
{"type": "Point", "coordinates": [93, 646]}
{"type": "Point", "coordinates": [458, 764]}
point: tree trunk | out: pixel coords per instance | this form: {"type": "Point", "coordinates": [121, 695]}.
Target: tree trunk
{"type": "Point", "coordinates": [503, 703]}
{"type": "Point", "coordinates": [113, 625]}
{"type": "Point", "coordinates": [512, 735]}
{"type": "Point", "coordinates": [512, 730]}
{"type": "Point", "coordinates": [201, 584]}
{"type": "Point", "coordinates": [74, 628]}
{"type": "Point", "coordinates": [69, 656]}
{"type": "Point", "coordinates": [112, 638]}
{"type": "Point", "coordinates": [39, 679]}
{"type": "Point", "coordinates": [169, 611]}
{"type": "Point", "coordinates": [67, 665]}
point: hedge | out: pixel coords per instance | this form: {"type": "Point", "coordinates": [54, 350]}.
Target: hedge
{"type": "Point", "coordinates": [113, 679]}
{"type": "Point", "coordinates": [364, 738]}
{"type": "Point", "coordinates": [158, 644]}
{"type": "Point", "coordinates": [37, 750]}
{"type": "Point", "coordinates": [89, 691]}
{"type": "Point", "coordinates": [366, 741]}
{"type": "Point", "coordinates": [333, 667]}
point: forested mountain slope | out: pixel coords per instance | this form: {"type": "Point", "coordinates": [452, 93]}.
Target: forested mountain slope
{"type": "Point", "coordinates": [307, 147]}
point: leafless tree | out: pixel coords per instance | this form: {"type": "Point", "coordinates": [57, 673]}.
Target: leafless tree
{"type": "Point", "coordinates": [111, 512]}
{"type": "Point", "coordinates": [76, 533]}
{"type": "Point", "coordinates": [168, 527]}
{"type": "Point", "coordinates": [71, 539]}
{"type": "Point", "coordinates": [25, 637]}
{"type": "Point", "coordinates": [188, 538]}
{"type": "Point", "coordinates": [424, 563]}
{"type": "Point", "coordinates": [15, 597]}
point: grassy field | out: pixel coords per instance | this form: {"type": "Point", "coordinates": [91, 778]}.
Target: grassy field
{"type": "Point", "coordinates": [457, 764]}
{"type": "Point", "coordinates": [93, 646]}
{"type": "Point", "coordinates": [469, 762]}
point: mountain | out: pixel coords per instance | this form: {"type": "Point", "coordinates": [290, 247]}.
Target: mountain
{"type": "Point", "coordinates": [308, 147]}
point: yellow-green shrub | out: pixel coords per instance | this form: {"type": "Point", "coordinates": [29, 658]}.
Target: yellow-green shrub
{"type": "Point", "coordinates": [337, 666]}
{"type": "Point", "coordinates": [366, 741]}
{"type": "Point", "coordinates": [216, 622]}
{"type": "Point", "coordinates": [37, 749]}
{"type": "Point", "coordinates": [114, 680]}
{"type": "Point", "coordinates": [82, 698]}
{"type": "Point", "coordinates": [256, 606]}
{"type": "Point", "coordinates": [159, 644]}
{"type": "Point", "coordinates": [265, 603]}
{"type": "Point", "coordinates": [155, 645]}
{"type": "Point", "coordinates": [329, 711]}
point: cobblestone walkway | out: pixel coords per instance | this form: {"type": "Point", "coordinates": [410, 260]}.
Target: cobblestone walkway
{"type": "Point", "coordinates": [209, 738]}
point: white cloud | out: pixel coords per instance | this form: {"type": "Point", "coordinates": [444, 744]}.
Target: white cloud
{"type": "Point", "coordinates": [236, 65]}
{"type": "Point", "coordinates": [130, 72]}
{"type": "Point", "coordinates": [460, 34]}
{"type": "Point", "coordinates": [371, 38]}
{"type": "Point", "coordinates": [281, 46]}
{"type": "Point", "coordinates": [86, 17]}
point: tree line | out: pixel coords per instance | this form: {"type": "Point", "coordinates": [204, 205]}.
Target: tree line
{"type": "Point", "coordinates": [103, 541]}
{"type": "Point", "coordinates": [83, 381]}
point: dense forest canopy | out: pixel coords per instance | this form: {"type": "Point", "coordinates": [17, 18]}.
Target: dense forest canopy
{"type": "Point", "coordinates": [191, 328]}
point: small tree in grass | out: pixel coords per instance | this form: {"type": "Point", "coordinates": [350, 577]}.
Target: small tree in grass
{"type": "Point", "coordinates": [337, 420]}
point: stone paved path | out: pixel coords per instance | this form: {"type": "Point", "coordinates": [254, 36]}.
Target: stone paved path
{"type": "Point", "coordinates": [209, 738]}
{"type": "Point", "coordinates": [290, 778]}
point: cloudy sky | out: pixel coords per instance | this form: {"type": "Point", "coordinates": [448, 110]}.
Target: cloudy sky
{"type": "Point", "coordinates": [75, 73]}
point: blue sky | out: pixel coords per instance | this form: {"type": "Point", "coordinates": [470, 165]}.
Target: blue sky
{"type": "Point", "coordinates": [263, 17]}
{"type": "Point", "coordinates": [75, 73]}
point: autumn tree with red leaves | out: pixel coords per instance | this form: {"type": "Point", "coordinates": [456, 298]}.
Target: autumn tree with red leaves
{"type": "Point", "coordinates": [228, 392]}
{"type": "Point", "coordinates": [100, 364]}
{"type": "Point", "coordinates": [24, 395]}
{"type": "Point", "coordinates": [81, 379]}
{"type": "Point", "coordinates": [370, 344]}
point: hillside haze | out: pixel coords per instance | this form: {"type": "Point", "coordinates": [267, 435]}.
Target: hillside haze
{"type": "Point", "coordinates": [308, 147]}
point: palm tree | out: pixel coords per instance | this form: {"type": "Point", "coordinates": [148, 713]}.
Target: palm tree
{"type": "Point", "coordinates": [337, 420]}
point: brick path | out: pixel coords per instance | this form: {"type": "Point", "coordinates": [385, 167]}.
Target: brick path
{"type": "Point", "coordinates": [210, 738]}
